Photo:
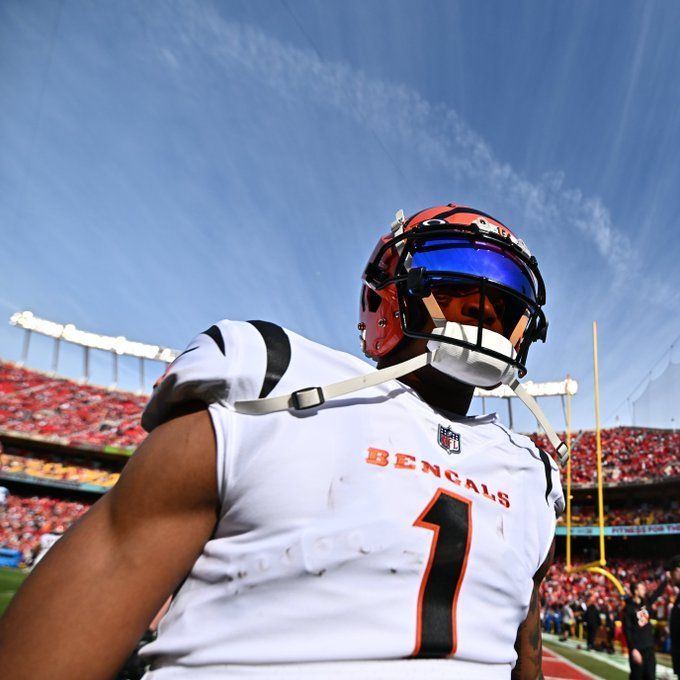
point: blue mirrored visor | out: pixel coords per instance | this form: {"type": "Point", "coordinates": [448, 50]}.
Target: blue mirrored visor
{"type": "Point", "coordinates": [474, 259]}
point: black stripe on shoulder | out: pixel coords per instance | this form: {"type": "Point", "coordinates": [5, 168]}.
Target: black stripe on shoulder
{"type": "Point", "coordinates": [545, 459]}
{"type": "Point", "coordinates": [215, 333]}
{"type": "Point", "coordinates": [277, 343]}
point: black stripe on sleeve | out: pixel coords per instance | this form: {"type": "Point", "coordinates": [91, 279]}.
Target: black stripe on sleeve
{"type": "Point", "coordinates": [545, 458]}
{"type": "Point", "coordinates": [278, 354]}
{"type": "Point", "coordinates": [215, 333]}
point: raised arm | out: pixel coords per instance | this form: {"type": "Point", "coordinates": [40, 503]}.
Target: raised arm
{"type": "Point", "coordinates": [651, 599]}
{"type": "Point", "coordinates": [529, 643]}
{"type": "Point", "coordinates": [88, 602]}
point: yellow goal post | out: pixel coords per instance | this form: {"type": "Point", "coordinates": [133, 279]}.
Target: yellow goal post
{"type": "Point", "coordinates": [599, 566]}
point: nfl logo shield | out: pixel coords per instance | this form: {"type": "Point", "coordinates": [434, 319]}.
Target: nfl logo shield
{"type": "Point", "coordinates": [449, 440]}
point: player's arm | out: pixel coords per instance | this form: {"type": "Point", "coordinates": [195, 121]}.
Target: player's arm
{"type": "Point", "coordinates": [85, 606]}
{"type": "Point", "coordinates": [529, 643]}
{"type": "Point", "coordinates": [651, 599]}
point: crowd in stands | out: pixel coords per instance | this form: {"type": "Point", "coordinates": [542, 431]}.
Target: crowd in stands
{"type": "Point", "coordinates": [576, 587]}
{"type": "Point", "coordinates": [24, 520]}
{"type": "Point", "coordinates": [71, 411]}
{"type": "Point", "coordinates": [628, 455]}
{"type": "Point", "coordinates": [566, 596]}
{"type": "Point", "coordinates": [52, 467]}
{"type": "Point", "coordinates": [644, 513]}
{"type": "Point", "coordinates": [76, 413]}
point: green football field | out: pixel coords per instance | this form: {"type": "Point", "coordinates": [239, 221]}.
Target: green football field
{"type": "Point", "coordinates": [589, 661]}
{"type": "Point", "coordinates": [600, 664]}
{"type": "Point", "coordinates": [10, 580]}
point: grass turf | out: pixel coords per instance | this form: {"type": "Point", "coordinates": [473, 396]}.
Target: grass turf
{"type": "Point", "coordinates": [587, 661]}
{"type": "Point", "coordinates": [10, 580]}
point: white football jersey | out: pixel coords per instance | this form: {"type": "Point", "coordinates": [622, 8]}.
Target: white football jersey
{"type": "Point", "coordinates": [372, 530]}
{"type": "Point", "coordinates": [46, 543]}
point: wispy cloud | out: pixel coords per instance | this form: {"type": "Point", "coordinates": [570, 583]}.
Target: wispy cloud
{"type": "Point", "coordinates": [633, 78]}
{"type": "Point", "coordinates": [401, 117]}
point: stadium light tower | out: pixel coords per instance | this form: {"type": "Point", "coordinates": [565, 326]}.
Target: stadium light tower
{"type": "Point", "coordinates": [120, 346]}
{"type": "Point", "coordinates": [557, 388]}
{"type": "Point", "coordinates": [115, 345]}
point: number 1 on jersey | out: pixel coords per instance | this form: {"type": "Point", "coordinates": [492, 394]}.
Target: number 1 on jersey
{"type": "Point", "coordinates": [450, 517]}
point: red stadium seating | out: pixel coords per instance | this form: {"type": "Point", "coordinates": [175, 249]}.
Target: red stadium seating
{"type": "Point", "coordinates": [628, 455]}
{"type": "Point", "coordinates": [37, 404]}
{"type": "Point", "coordinates": [24, 520]}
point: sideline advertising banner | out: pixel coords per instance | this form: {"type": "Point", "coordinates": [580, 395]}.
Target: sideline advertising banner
{"type": "Point", "coordinates": [633, 530]}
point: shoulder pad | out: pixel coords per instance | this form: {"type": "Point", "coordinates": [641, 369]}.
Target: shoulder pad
{"type": "Point", "coordinates": [198, 373]}
{"type": "Point", "coordinates": [232, 360]}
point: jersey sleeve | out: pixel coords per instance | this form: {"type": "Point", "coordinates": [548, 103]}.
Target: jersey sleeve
{"type": "Point", "coordinates": [199, 373]}
{"type": "Point", "coordinates": [549, 501]}
{"type": "Point", "coordinates": [554, 496]}
{"type": "Point", "coordinates": [231, 361]}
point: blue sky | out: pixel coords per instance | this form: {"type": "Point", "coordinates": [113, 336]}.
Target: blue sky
{"type": "Point", "coordinates": [168, 164]}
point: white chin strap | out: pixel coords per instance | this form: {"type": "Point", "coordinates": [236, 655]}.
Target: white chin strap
{"type": "Point", "coordinates": [312, 397]}
{"type": "Point", "coordinates": [560, 447]}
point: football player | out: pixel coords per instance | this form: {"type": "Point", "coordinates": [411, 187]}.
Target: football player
{"type": "Point", "coordinates": [316, 517]}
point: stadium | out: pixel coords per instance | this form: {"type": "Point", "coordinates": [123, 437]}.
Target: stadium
{"type": "Point", "coordinates": [64, 442]}
{"type": "Point", "coordinates": [394, 231]}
